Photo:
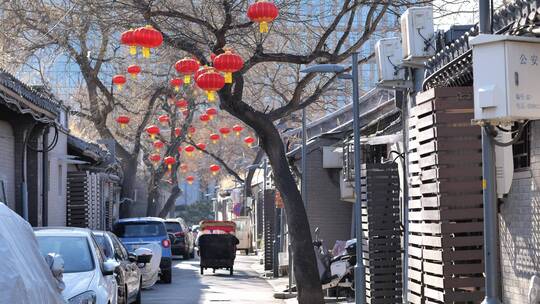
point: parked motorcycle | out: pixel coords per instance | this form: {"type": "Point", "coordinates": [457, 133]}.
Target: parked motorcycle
{"type": "Point", "coordinates": [338, 271]}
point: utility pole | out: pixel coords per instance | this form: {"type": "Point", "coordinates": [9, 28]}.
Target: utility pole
{"type": "Point", "coordinates": [491, 250]}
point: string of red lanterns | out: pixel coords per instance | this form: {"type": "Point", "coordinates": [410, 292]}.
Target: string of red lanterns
{"type": "Point", "coordinates": [146, 37]}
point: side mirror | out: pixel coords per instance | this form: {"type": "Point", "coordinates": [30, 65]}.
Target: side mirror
{"type": "Point", "coordinates": [172, 238]}
{"type": "Point", "coordinates": [109, 267]}
{"type": "Point", "coordinates": [144, 259]}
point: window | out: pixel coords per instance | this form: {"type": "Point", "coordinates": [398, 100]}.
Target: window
{"type": "Point", "coordinates": [74, 250]}
{"type": "Point", "coordinates": [139, 229]}
{"type": "Point", "coordinates": [522, 149]}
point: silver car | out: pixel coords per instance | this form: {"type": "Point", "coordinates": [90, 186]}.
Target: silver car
{"type": "Point", "coordinates": [88, 276]}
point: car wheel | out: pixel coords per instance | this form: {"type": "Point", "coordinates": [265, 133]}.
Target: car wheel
{"type": "Point", "coordinates": [166, 276]}
{"type": "Point", "coordinates": [138, 298]}
{"type": "Point", "coordinates": [192, 254]}
{"type": "Point", "coordinates": [202, 271]}
{"type": "Point", "coordinates": [186, 256]}
{"type": "Point", "coordinates": [231, 271]}
{"type": "Point", "coordinates": [122, 294]}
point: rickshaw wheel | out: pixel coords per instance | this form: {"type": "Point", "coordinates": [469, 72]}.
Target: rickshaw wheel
{"type": "Point", "coordinates": [231, 270]}
{"type": "Point", "coordinates": [202, 270]}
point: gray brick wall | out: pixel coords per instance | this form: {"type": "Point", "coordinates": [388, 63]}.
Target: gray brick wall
{"type": "Point", "coordinates": [57, 182]}
{"type": "Point", "coordinates": [519, 228]}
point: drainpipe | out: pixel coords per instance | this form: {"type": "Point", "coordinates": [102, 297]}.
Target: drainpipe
{"type": "Point", "coordinates": [45, 179]}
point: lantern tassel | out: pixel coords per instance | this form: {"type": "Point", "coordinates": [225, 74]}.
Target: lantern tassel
{"type": "Point", "coordinates": [146, 52]}
{"type": "Point", "coordinates": [152, 136]}
{"type": "Point", "coordinates": [214, 173]}
{"type": "Point", "coordinates": [263, 27]}
{"type": "Point", "coordinates": [170, 168]}
{"type": "Point", "coordinates": [177, 88]}
{"type": "Point", "coordinates": [133, 76]}
{"type": "Point", "coordinates": [228, 77]}
{"type": "Point", "coordinates": [119, 87]}
{"type": "Point", "coordinates": [211, 96]}
{"type": "Point", "coordinates": [187, 79]}
{"type": "Point", "coordinates": [133, 50]}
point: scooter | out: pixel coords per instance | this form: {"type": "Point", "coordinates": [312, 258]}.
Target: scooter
{"type": "Point", "coordinates": [335, 271]}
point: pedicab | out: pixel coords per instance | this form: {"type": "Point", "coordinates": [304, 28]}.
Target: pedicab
{"type": "Point", "coordinates": [217, 245]}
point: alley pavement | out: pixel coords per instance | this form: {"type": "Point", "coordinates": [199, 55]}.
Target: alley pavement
{"type": "Point", "coordinates": [190, 287]}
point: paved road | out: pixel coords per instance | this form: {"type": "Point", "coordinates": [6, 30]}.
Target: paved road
{"type": "Point", "coordinates": [189, 287]}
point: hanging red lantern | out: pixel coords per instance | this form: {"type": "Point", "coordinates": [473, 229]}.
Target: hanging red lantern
{"type": "Point", "coordinates": [191, 131]}
{"type": "Point", "coordinates": [214, 169]}
{"type": "Point", "coordinates": [169, 161]}
{"type": "Point", "coordinates": [176, 83]}
{"type": "Point", "coordinates": [214, 138]}
{"type": "Point", "coordinates": [189, 150]}
{"type": "Point", "coordinates": [152, 130]}
{"type": "Point", "coordinates": [134, 70]}
{"type": "Point", "coordinates": [123, 121]}
{"type": "Point", "coordinates": [249, 140]}
{"type": "Point", "coordinates": [128, 38]}
{"type": "Point", "coordinates": [155, 158]}
{"type": "Point", "coordinates": [201, 71]}
{"type": "Point", "coordinates": [182, 103]}
{"type": "Point", "coordinates": [158, 144]}
{"type": "Point", "coordinates": [228, 63]}
{"type": "Point", "coordinates": [225, 131]}
{"type": "Point", "coordinates": [201, 147]}
{"type": "Point", "coordinates": [211, 82]}
{"type": "Point", "coordinates": [237, 129]}
{"type": "Point", "coordinates": [204, 118]}
{"type": "Point", "coordinates": [187, 67]}
{"type": "Point", "coordinates": [163, 119]}
{"type": "Point", "coordinates": [184, 168]}
{"type": "Point", "coordinates": [211, 112]}
{"type": "Point", "coordinates": [119, 81]}
{"type": "Point", "coordinates": [190, 179]}
{"type": "Point", "coordinates": [148, 38]}
{"type": "Point", "coordinates": [177, 132]}
{"type": "Point", "coordinates": [263, 12]}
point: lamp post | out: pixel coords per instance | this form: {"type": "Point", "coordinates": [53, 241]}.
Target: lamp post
{"type": "Point", "coordinates": [359, 270]}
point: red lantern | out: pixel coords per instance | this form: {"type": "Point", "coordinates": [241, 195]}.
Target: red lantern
{"type": "Point", "coordinates": [123, 121]}
{"type": "Point", "coordinates": [189, 150]}
{"type": "Point", "coordinates": [190, 179]}
{"type": "Point", "coordinates": [187, 67]}
{"type": "Point", "coordinates": [214, 138]}
{"type": "Point", "coordinates": [148, 38]}
{"type": "Point", "coordinates": [176, 83]}
{"type": "Point", "coordinates": [182, 103]}
{"type": "Point", "coordinates": [177, 132]}
{"type": "Point", "coordinates": [211, 112]}
{"type": "Point", "coordinates": [169, 161]}
{"type": "Point", "coordinates": [201, 147]}
{"type": "Point", "coordinates": [225, 131]}
{"type": "Point", "coordinates": [204, 118]}
{"type": "Point", "coordinates": [211, 81]}
{"type": "Point", "coordinates": [119, 81]}
{"type": "Point", "coordinates": [128, 38]}
{"type": "Point", "coordinates": [134, 70]}
{"type": "Point", "coordinates": [158, 144]}
{"type": "Point", "coordinates": [228, 63]}
{"type": "Point", "coordinates": [237, 129]}
{"type": "Point", "coordinates": [155, 158]}
{"type": "Point", "coordinates": [152, 130]}
{"type": "Point", "coordinates": [214, 169]}
{"type": "Point", "coordinates": [201, 71]}
{"type": "Point", "coordinates": [163, 119]}
{"type": "Point", "coordinates": [184, 168]}
{"type": "Point", "coordinates": [249, 140]}
{"type": "Point", "coordinates": [191, 130]}
{"type": "Point", "coordinates": [262, 12]}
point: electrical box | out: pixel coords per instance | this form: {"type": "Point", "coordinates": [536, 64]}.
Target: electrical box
{"type": "Point", "coordinates": [332, 157]}
{"type": "Point", "coordinates": [506, 71]}
{"type": "Point", "coordinates": [504, 163]}
{"type": "Point", "coordinates": [388, 54]}
{"type": "Point", "coordinates": [417, 35]}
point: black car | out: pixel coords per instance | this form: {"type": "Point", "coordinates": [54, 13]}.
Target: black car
{"type": "Point", "coordinates": [128, 275]}
{"type": "Point", "coordinates": [183, 243]}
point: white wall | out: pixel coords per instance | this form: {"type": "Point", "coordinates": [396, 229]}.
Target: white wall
{"type": "Point", "coordinates": [7, 161]}
{"type": "Point", "coordinates": [57, 181]}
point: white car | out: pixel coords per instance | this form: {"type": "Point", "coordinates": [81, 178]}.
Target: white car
{"type": "Point", "coordinates": [88, 277]}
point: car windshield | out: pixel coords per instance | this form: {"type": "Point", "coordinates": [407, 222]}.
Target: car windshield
{"type": "Point", "coordinates": [74, 250]}
{"type": "Point", "coordinates": [139, 229]}
{"type": "Point", "coordinates": [173, 227]}
{"type": "Point", "coordinates": [105, 245]}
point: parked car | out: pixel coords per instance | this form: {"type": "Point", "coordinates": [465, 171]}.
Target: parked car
{"type": "Point", "coordinates": [22, 262]}
{"type": "Point", "coordinates": [138, 232]}
{"type": "Point", "coordinates": [128, 275]}
{"type": "Point", "coordinates": [243, 233]}
{"type": "Point", "coordinates": [88, 275]}
{"type": "Point", "coordinates": [183, 243]}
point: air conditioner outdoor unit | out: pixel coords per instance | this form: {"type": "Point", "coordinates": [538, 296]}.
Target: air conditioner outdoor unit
{"type": "Point", "coordinates": [506, 71]}
{"type": "Point", "coordinates": [388, 54]}
{"type": "Point", "coordinates": [417, 35]}
{"type": "Point", "coordinates": [346, 188]}
{"type": "Point", "coordinates": [332, 157]}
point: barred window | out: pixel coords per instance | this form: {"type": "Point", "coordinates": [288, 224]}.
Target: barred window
{"type": "Point", "coordinates": [522, 149]}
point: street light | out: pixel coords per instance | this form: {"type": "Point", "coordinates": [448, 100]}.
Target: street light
{"type": "Point", "coordinates": [359, 271]}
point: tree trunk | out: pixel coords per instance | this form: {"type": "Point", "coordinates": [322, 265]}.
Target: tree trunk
{"type": "Point", "coordinates": [171, 200]}
{"type": "Point", "coordinates": [151, 208]}
{"type": "Point", "coordinates": [128, 185]}
{"type": "Point", "coordinates": [305, 264]}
